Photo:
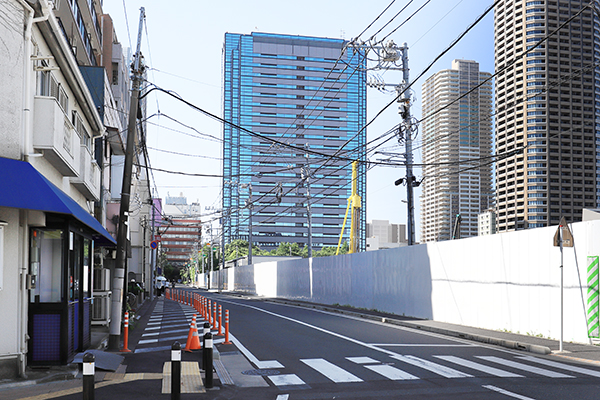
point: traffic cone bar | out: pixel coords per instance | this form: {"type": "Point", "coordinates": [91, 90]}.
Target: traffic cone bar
{"type": "Point", "coordinates": [220, 333]}
{"type": "Point", "coordinates": [126, 334]}
{"type": "Point", "coordinates": [226, 328]}
{"type": "Point", "coordinates": [209, 308]}
{"type": "Point", "coordinates": [215, 315]}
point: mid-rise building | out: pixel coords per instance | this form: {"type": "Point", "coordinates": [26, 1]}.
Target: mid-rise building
{"type": "Point", "coordinates": [296, 107]}
{"type": "Point", "coordinates": [457, 144]}
{"type": "Point", "coordinates": [181, 232]}
{"type": "Point", "coordinates": [546, 110]}
{"type": "Point", "coordinates": [487, 223]}
{"type": "Point", "coordinates": [383, 235]}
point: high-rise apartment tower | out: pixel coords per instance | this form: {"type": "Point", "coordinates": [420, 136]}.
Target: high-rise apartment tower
{"type": "Point", "coordinates": [457, 143]}
{"type": "Point", "coordinates": [545, 103]}
{"type": "Point", "coordinates": [297, 105]}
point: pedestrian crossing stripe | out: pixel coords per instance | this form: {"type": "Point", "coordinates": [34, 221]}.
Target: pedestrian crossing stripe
{"type": "Point", "coordinates": [286, 380]}
{"type": "Point", "coordinates": [339, 375]}
{"type": "Point", "coordinates": [331, 371]}
{"type": "Point", "coordinates": [362, 360]}
{"type": "Point", "coordinates": [567, 367]}
{"type": "Point", "coordinates": [438, 369]}
{"type": "Point", "coordinates": [480, 367]}
{"type": "Point", "coordinates": [525, 367]}
{"type": "Point", "coordinates": [390, 372]}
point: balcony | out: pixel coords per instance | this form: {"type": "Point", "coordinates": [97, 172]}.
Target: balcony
{"type": "Point", "coordinates": [88, 181]}
{"type": "Point", "coordinates": [55, 137]}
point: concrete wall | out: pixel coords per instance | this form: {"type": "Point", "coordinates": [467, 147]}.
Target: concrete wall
{"type": "Point", "coordinates": [506, 281]}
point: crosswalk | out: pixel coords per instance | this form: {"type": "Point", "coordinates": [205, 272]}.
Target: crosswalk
{"type": "Point", "coordinates": [412, 368]}
{"type": "Point", "coordinates": [169, 322]}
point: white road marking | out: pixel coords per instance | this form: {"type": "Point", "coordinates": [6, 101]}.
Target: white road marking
{"type": "Point", "coordinates": [146, 341]}
{"type": "Point", "coordinates": [506, 392]}
{"type": "Point", "coordinates": [390, 372]}
{"type": "Point", "coordinates": [251, 357]}
{"type": "Point", "coordinates": [420, 345]}
{"type": "Point", "coordinates": [439, 369]}
{"type": "Point", "coordinates": [480, 367]}
{"type": "Point", "coordinates": [525, 367]}
{"type": "Point", "coordinates": [167, 326]}
{"type": "Point", "coordinates": [151, 334]}
{"type": "Point", "coordinates": [286, 380]}
{"type": "Point", "coordinates": [362, 360]}
{"type": "Point", "coordinates": [167, 331]}
{"type": "Point", "coordinates": [338, 335]}
{"type": "Point", "coordinates": [331, 371]}
{"type": "Point", "coordinates": [283, 397]}
{"type": "Point", "coordinates": [554, 364]}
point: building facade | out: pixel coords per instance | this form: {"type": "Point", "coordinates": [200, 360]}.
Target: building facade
{"type": "Point", "coordinates": [487, 223]}
{"type": "Point", "coordinates": [50, 184]}
{"type": "Point", "coordinates": [60, 124]}
{"type": "Point", "coordinates": [457, 144]}
{"type": "Point", "coordinates": [383, 235]}
{"type": "Point", "coordinates": [546, 107]}
{"type": "Point", "coordinates": [293, 103]}
{"type": "Point", "coordinates": [181, 232]}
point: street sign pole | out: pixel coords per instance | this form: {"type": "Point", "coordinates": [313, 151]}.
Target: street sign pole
{"type": "Point", "coordinates": [562, 238]}
{"type": "Point", "coordinates": [560, 347]}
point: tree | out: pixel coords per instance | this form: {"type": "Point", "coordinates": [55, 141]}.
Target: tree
{"type": "Point", "coordinates": [331, 250]}
{"type": "Point", "coordinates": [205, 257]}
{"type": "Point", "coordinates": [239, 249]}
{"type": "Point", "coordinates": [286, 249]}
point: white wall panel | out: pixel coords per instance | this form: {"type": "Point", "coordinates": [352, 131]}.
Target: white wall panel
{"type": "Point", "coordinates": [508, 281]}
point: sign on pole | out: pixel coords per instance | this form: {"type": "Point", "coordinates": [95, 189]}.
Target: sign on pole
{"type": "Point", "coordinates": [567, 236]}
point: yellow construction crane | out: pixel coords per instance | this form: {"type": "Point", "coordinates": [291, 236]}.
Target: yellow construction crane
{"type": "Point", "coordinates": [354, 200]}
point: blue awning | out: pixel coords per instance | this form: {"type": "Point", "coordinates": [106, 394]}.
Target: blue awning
{"type": "Point", "coordinates": [22, 186]}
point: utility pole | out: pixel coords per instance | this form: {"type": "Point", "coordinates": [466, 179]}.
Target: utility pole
{"type": "Point", "coordinates": [306, 173]}
{"type": "Point", "coordinates": [404, 109]}
{"type": "Point", "coordinates": [389, 56]}
{"type": "Point", "coordinates": [222, 221]}
{"type": "Point", "coordinates": [114, 339]}
{"type": "Point", "coordinates": [249, 205]}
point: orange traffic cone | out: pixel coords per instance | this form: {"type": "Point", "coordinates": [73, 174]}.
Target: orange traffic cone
{"type": "Point", "coordinates": [193, 341]}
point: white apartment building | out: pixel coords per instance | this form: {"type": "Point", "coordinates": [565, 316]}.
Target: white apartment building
{"type": "Point", "coordinates": [455, 140]}
{"type": "Point", "coordinates": [487, 223]}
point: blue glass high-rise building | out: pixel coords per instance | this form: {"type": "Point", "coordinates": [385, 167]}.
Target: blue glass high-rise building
{"type": "Point", "coordinates": [297, 108]}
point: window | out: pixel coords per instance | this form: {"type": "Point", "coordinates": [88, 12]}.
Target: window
{"type": "Point", "coordinates": [115, 73]}
{"type": "Point", "coordinates": [46, 265]}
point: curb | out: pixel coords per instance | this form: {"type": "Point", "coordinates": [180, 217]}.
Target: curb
{"type": "Point", "coordinates": [511, 344]}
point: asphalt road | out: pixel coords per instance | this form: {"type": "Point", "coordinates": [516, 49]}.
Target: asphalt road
{"type": "Point", "coordinates": [284, 352]}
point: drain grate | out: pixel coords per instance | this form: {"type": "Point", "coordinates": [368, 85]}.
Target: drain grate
{"type": "Point", "coordinates": [261, 372]}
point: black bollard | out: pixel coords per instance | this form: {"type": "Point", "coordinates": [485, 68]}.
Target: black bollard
{"type": "Point", "coordinates": [207, 360]}
{"type": "Point", "coordinates": [88, 376]}
{"type": "Point", "coordinates": [176, 371]}
{"type": "Point", "coordinates": [205, 331]}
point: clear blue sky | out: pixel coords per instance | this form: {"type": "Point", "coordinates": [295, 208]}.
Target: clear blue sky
{"type": "Point", "coordinates": [183, 41]}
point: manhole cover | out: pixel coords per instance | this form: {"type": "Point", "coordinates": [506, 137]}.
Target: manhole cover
{"type": "Point", "coordinates": [261, 372]}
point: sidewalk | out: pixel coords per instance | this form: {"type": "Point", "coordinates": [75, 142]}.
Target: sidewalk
{"type": "Point", "coordinates": [66, 381]}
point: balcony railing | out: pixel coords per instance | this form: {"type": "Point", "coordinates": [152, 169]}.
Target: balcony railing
{"type": "Point", "coordinates": [55, 137]}
{"type": "Point", "coordinates": [88, 181]}
{"type": "Point", "coordinates": [101, 303]}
